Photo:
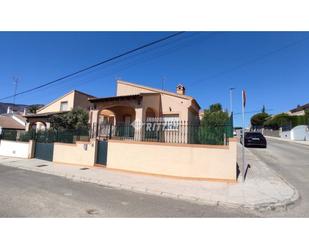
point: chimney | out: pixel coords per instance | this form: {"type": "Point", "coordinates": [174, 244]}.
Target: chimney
{"type": "Point", "coordinates": [25, 111]}
{"type": "Point", "coordinates": [180, 89]}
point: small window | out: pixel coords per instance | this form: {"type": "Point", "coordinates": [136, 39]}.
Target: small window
{"type": "Point", "coordinates": [64, 106]}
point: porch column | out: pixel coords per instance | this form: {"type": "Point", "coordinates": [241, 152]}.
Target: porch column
{"type": "Point", "coordinates": [27, 128]}
{"type": "Point", "coordinates": [139, 118]}
{"type": "Point", "coordinates": [93, 120]}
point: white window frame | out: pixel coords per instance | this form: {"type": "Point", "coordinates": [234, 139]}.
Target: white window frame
{"type": "Point", "coordinates": [67, 105]}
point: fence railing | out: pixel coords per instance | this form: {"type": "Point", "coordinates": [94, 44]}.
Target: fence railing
{"type": "Point", "coordinates": [47, 136]}
{"type": "Point", "coordinates": [180, 132]}
{"type": "Point", "coordinates": [167, 132]}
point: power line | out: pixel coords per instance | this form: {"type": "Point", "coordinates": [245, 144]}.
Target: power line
{"type": "Point", "coordinates": [96, 65]}
{"type": "Point", "coordinates": [251, 61]}
{"type": "Point", "coordinates": [257, 111]}
{"type": "Point", "coordinates": [168, 50]}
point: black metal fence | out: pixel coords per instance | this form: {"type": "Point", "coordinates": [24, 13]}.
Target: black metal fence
{"type": "Point", "coordinates": [166, 132]}
{"type": "Point", "coordinates": [180, 132]}
{"type": "Point", "coordinates": [47, 136]}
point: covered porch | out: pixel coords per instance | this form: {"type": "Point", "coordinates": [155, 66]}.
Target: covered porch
{"type": "Point", "coordinates": [122, 116]}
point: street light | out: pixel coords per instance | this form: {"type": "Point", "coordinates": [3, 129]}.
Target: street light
{"type": "Point", "coordinates": [231, 99]}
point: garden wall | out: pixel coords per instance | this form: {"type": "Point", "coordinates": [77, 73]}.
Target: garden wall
{"type": "Point", "coordinates": [216, 162]}
{"type": "Point", "coordinates": [16, 149]}
{"type": "Point", "coordinates": [80, 153]}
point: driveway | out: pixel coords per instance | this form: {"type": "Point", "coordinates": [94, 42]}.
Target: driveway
{"type": "Point", "coordinates": [291, 161]}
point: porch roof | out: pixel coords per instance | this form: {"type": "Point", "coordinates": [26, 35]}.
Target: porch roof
{"type": "Point", "coordinates": [43, 115]}
{"type": "Point", "coordinates": [117, 98]}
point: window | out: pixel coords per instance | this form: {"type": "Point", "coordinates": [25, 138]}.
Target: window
{"type": "Point", "coordinates": [171, 122]}
{"type": "Point", "coordinates": [64, 106]}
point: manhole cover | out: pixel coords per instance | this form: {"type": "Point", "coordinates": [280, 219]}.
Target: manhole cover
{"type": "Point", "coordinates": [84, 168]}
{"type": "Point", "coordinates": [92, 211]}
{"type": "Point", "coordinates": [42, 165]}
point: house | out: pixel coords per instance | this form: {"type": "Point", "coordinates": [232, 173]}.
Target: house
{"type": "Point", "coordinates": [299, 110]}
{"type": "Point", "coordinates": [71, 100]}
{"type": "Point", "coordinates": [12, 121]}
{"type": "Point", "coordinates": [136, 104]}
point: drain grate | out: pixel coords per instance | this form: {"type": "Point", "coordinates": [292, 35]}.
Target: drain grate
{"type": "Point", "coordinates": [42, 165]}
{"type": "Point", "coordinates": [92, 211]}
{"type": "Point", "coordinates": [84, 168]}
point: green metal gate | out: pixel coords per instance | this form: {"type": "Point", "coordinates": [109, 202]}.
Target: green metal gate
{"type": "Point", "coordinates": [44, 151]}
{"type": "Point", "coordinates": [102, 152]}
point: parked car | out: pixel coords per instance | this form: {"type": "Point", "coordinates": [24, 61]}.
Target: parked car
{"type": "Point", "coordinates": [254, 139]}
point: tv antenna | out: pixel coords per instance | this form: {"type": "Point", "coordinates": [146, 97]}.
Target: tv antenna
{"type": "Point", "coordinates": [15, 83]}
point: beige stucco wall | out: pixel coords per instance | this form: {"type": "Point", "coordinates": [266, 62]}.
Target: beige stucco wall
{"type": "Point", "coordinates": [170, 104]}
{"type": "Point", "coordinates": [124, 89]}
{"type": "Point", "coordinates": [74, 99]}
{"type": "Point", "coordinates": [191, 161]}
{"type": "Point", "coordinates": [81, 153]}
{"type": "Point", "coordinates": [81, 101]}
{"type": "Point", "coordinates": [55, 106]}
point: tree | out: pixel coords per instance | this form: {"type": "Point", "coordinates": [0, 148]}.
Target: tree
{"type": "Point", "coordinates": [259, 119]}
{"type": "Point", "coordinates": [73, 120]}
{"type": "Point", "coordinates": [34, 108]}
{"type": "Point", "coordinates": [280, 120]}
{"type": "Point", "coordinates": [263, 109]}
{"type": "Point", "coordinates": [214, 125]}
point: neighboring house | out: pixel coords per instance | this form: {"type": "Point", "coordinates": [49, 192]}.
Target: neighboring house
{"type": "Point", "coordinates": [71, 100]}
{"type": "Point", "coordinates": [16, 108]}
{"type": "Point", "coordinates": [137, 103]}
{"type": "Point", "coordinates": [299, 110]}
{"type": "Point", "coordinates": [12, 121]}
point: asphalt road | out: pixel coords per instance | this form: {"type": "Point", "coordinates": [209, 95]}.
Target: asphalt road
{"type": "Point", "coordinates": [30, 194]}
{"type": "Point", "coordinates": [291, 161]}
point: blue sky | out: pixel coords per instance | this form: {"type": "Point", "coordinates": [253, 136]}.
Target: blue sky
{"type": "Point", "coordinates": [271, 66]}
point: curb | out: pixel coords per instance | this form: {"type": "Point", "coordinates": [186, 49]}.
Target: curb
{"type": "Point", "coordinates": [261, 207]}
{"type": "Point", "coordinates": [286, 140]}
{"type": "Point", "coordinates": [275, 206]}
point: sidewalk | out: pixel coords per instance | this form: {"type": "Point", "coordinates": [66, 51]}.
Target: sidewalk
{"type": "Point", "coordinates": [288, 140]}
{"type": "Point", "coordinates": [263, 189]}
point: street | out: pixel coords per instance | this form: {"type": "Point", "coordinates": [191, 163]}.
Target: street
{"type": "Point", "coordinates": [26, 193]}
{"type": "Point", "coordinates": [291, 161]}
{"type": "Point", "coordinates": [30, 194]}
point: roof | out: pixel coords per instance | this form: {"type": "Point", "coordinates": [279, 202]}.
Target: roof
{"type": "Point", "coordinates": [159, 91]}
{"type": "Point", "coordinates": [20, 117]}
{"type": "Point", "coordinates": [46, 114]}
{"type": "Point", "coordinates": [300, 108]}
{"type": "Point", "coordinates": [55, 100]}
{"type": "Point", "coordinates": [8, 122]}
{"type": "Point", "coordinates": [123, 97]}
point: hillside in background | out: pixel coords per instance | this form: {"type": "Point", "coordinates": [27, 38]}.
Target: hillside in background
{"type": "Point", "coordinates": [17, 107]}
